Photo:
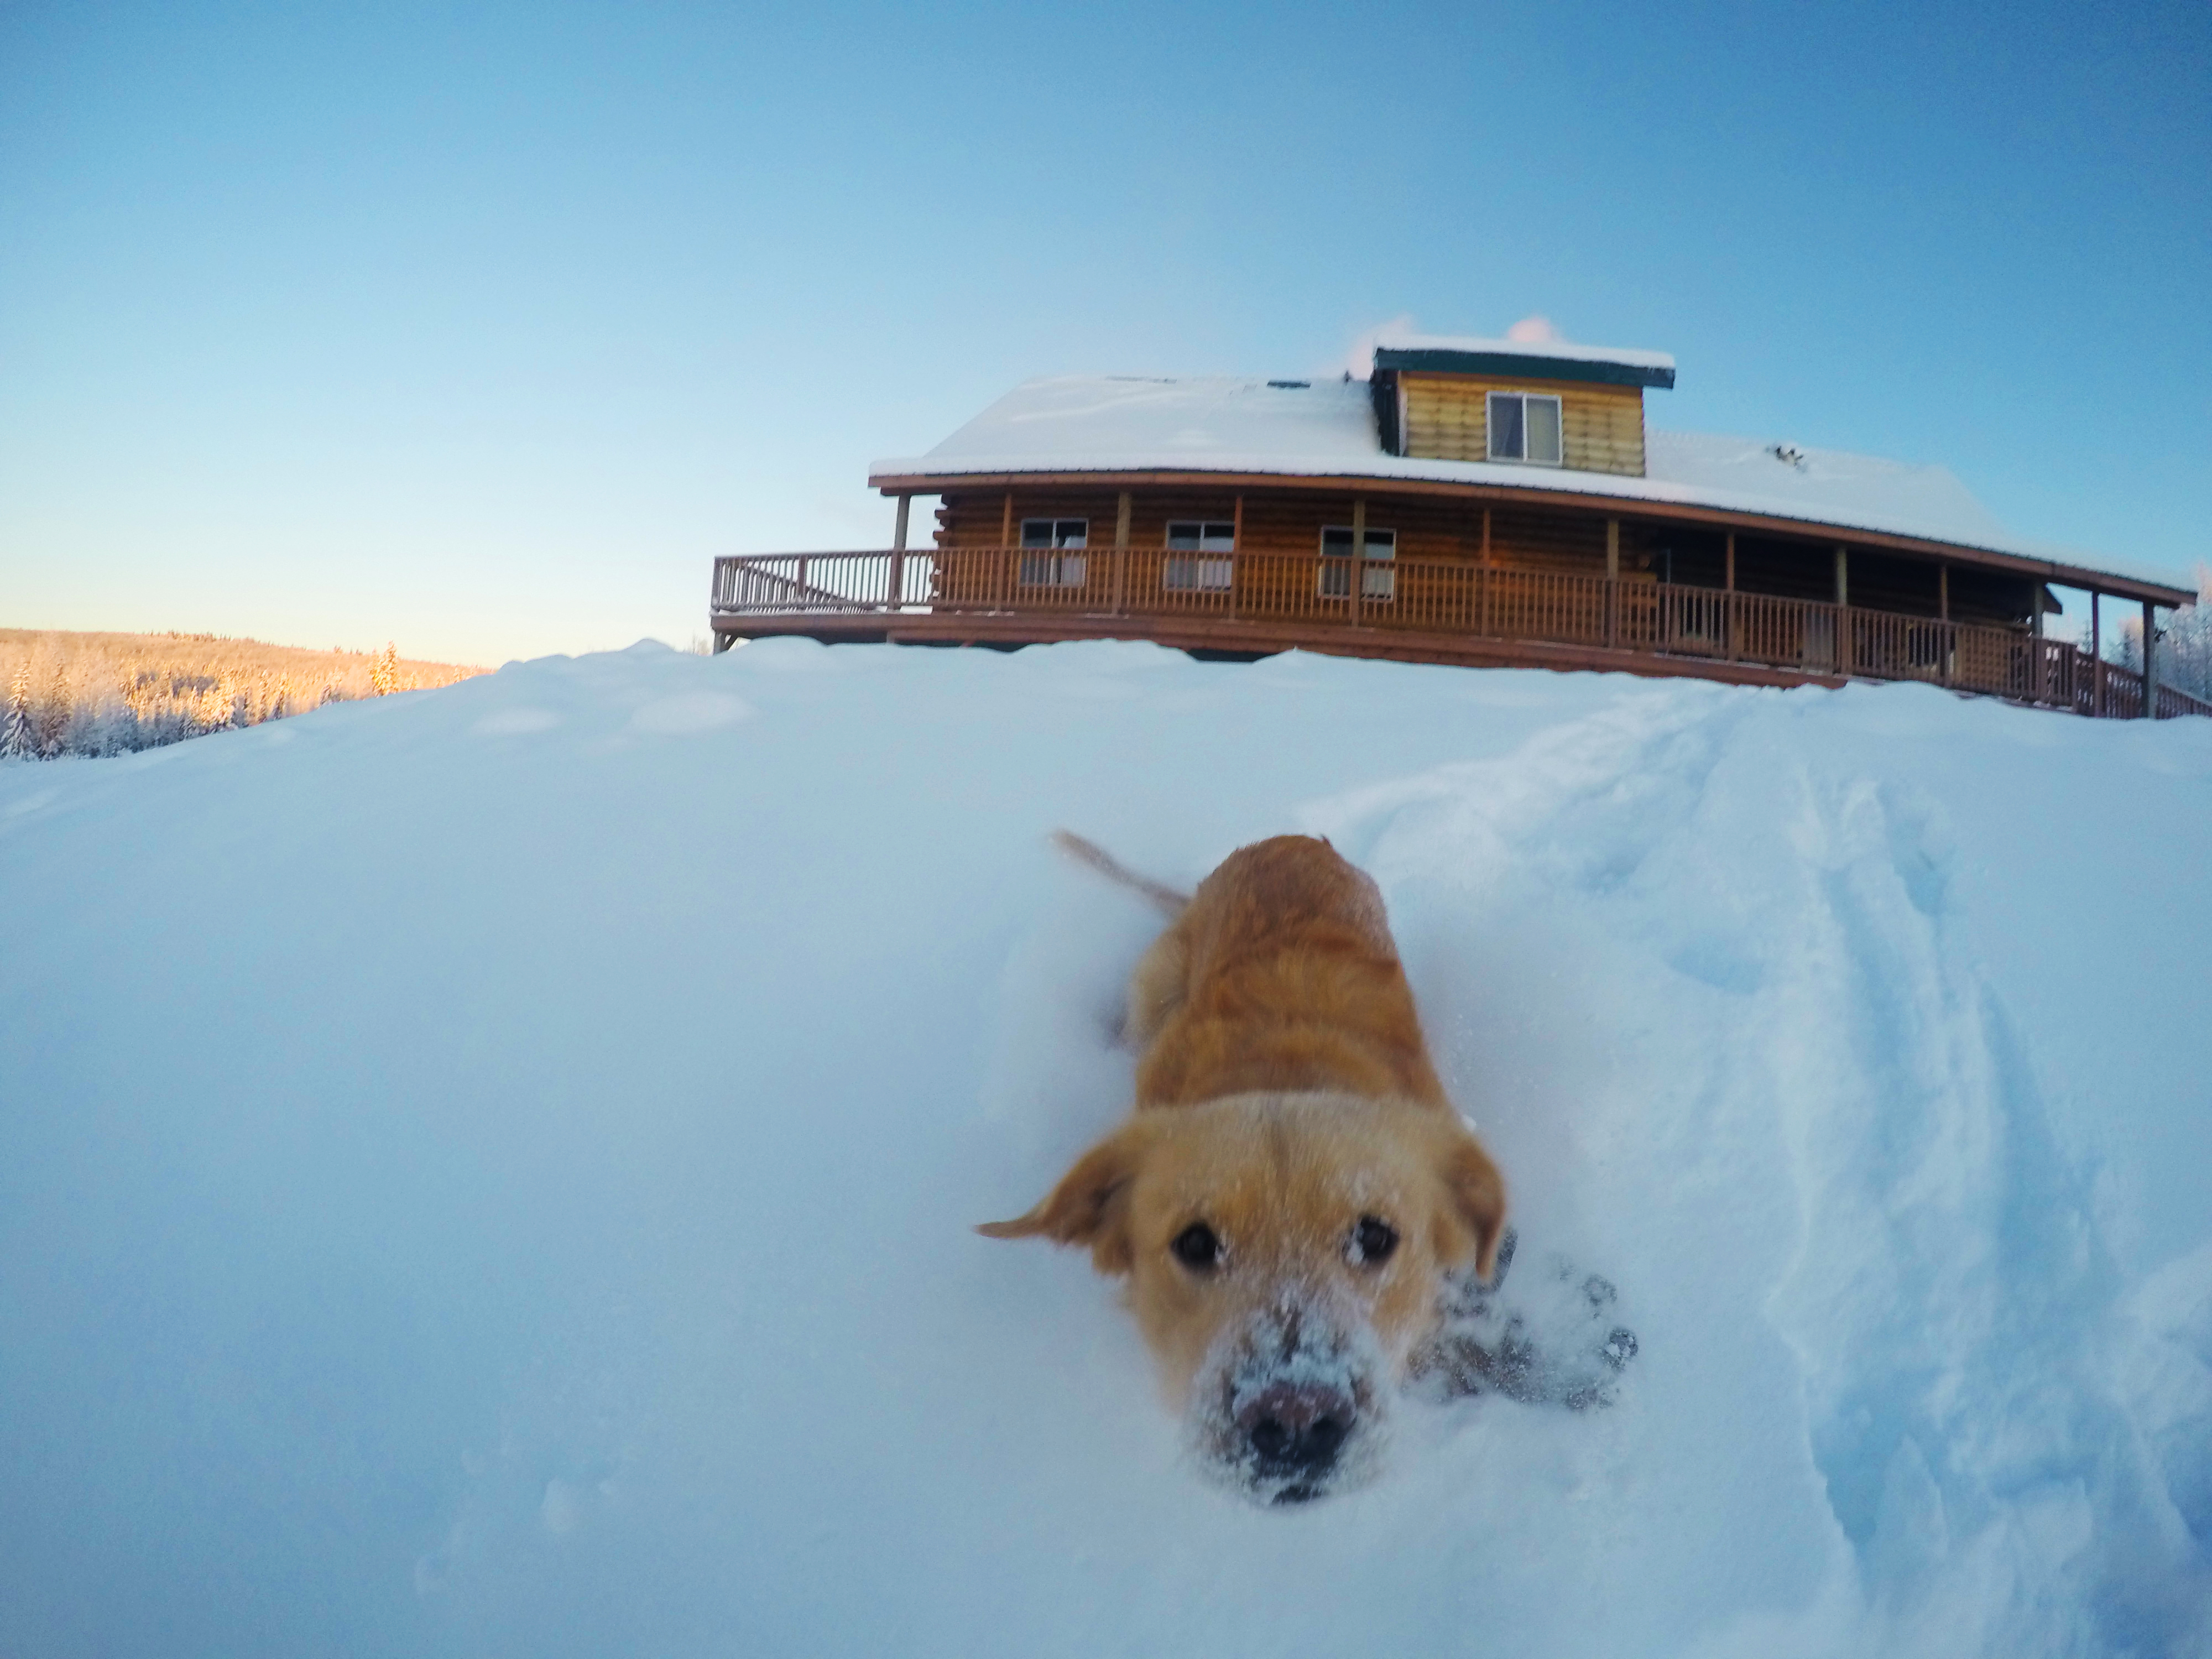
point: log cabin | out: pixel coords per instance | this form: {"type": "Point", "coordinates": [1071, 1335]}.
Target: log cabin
{"type": "Point", "coordinates": [1480, 502]}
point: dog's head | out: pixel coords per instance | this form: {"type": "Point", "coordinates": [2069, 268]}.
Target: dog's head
{"type": "Point", "coordinates": [1285, 1255]}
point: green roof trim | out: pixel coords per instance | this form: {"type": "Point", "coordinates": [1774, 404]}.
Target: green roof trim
{"type": "Point", "coordinates": [1524, 366]}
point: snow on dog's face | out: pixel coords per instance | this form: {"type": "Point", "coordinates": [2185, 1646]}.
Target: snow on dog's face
{"type": "Point", "coordinates": [1284, 1255]}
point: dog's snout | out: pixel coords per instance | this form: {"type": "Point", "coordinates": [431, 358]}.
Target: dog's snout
{"type": "Point", "coordinates": [1294, 1430]}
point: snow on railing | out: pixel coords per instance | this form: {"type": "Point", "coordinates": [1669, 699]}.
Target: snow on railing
{"type": "Point", "coordinates": [1436, 598]}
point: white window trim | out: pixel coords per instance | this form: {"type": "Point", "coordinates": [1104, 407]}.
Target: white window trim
{"type": "Point", "coordinates": [1055, 563]}
{"type": "Point", "coordinates": [1200, 570]}
{"type": "Point", "coordinates": [1373, 584]}
{"type": "Point", "coordinates": [1055, 543]}
{"type": "Point", "coordinates": [1489, 427]}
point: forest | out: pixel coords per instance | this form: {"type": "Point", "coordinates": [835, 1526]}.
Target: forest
{"type": "Point", "coordinates": [110, 694]}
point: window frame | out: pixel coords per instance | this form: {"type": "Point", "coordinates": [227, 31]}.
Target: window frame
{"type": "Point", "coordinates": [1207, 567]}
{"type": "Point", "coordinates": [1373, 584]}
{"type": "Point", "coordinates": [1490, 400]}
{"type": "Point", "coordinates": [1061, 561]}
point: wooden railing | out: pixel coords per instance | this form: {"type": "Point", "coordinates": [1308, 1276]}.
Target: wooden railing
{"type": "Point", "coordinates": [1435, 597]}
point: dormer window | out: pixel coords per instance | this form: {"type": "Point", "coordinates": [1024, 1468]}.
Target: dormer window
{"type": "Point", "coordinates": [1524, 426]}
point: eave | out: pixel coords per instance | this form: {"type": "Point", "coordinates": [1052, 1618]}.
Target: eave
{"type": "Point", "coordinates": [1516, 366]}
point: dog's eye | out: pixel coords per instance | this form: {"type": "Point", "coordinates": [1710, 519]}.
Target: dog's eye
{"type": "Point", "coordinates": [1196, 1248]}
{"type": "Point", "coordinates": [1371, 1241]}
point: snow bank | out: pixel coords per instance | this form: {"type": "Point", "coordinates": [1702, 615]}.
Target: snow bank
{"type": "Point", "coordinates": [490, 1170]}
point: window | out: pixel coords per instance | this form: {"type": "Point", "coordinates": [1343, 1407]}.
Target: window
{"type": "Point", "coordinates": [1205, 575]}
{"type": "Point", "coordinates": [1524, 426]}
{"type": "Point", "coordinates": [1055, 568]}
{"type": "Point", "coordinates": [1336, 579]}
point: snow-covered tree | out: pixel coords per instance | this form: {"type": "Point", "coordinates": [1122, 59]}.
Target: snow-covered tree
{"type": "Point", "coordinates": [16, 741]}
{"type": "Point", "coordinates": [2184, 643]}
{"type": "Point", "coordinates": [2187, 647]}
{"type": "Point", "coordinates": [53, 718]}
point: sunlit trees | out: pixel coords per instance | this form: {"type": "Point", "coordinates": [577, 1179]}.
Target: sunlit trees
{"type": "Point", "coordinates": [107, 694]}
{"type": "Point", "coordinates": [15, 741]}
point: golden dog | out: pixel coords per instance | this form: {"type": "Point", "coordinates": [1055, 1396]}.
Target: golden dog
{"type": "Point", "coordinates": [1293, 1186]}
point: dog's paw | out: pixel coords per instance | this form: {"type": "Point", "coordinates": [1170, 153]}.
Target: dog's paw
{"type": "Point", "coordinates": [1555, 1341]}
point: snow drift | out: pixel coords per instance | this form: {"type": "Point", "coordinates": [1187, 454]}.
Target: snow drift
{"type": "Point", "coordinates": [490, 1170]}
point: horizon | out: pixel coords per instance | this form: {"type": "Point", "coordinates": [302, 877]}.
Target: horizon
{"type": "Point", "coordinates": [485, 334]}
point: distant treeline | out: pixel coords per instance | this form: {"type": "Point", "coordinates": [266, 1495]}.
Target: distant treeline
{"type": "Point", "coordinates": [2185, 644]}
{"type": "Point", "coordinates": [108, 694]}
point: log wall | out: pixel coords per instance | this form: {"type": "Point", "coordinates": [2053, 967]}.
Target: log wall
{"type": "Point", "coordinates": [1566, 542]}
{"type": "Point", "coordinates": [1447, 419]}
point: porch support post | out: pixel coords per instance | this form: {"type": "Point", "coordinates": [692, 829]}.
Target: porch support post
{"type": "Point", "coordinates": [1843, 610]}
{"type": "Point", "coordinates": [895, 583]}
{"type": "Point", "coordinates": [1236, 553]}
{"type": "Point", "coordinates": [1487, 576]}
{"type": "Point", "coordinates": [1007, 522]}
{"type": "Point", "coordinates": [2039, 678]}
{"type": "Point", "coordinates": [1613, 582]}
{"type": "Point", "coordinates": [1728, 585]}
{"type": "Point", "coordinates": [2150, 660]}
{"type": "Point", "coordinates": [1122, 513]}
{"type": "Point", "coordinates": [2096, 659]}
{"type": "Point", "coordinates": [1943, 616]}
{"type": "Point", "coordinates": [1359, 553]}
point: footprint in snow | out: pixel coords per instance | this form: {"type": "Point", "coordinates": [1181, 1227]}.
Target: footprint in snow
{"type": "Point", "coordinates": [1555, 1341]}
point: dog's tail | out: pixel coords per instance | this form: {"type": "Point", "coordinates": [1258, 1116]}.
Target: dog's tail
{"type": "Point", "coordinates": [1170, 901]}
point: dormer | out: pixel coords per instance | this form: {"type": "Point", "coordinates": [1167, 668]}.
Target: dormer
{"type": "Point", "coordinates": [1514, 404]}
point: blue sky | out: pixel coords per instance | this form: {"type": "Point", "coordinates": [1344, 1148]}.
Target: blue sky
{"type": "Point", "coordinates": [483, 329]}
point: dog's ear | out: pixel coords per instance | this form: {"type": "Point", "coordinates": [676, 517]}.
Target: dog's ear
{"type": "Point", "coordinates": [1473, 1219]}
{"type": "Point", "coordinates": [1091, 1205]}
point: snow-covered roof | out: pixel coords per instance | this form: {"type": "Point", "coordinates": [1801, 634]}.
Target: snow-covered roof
{"type": "Point", "coordinates": [1562, 350]}
{"type": "Point", "coordinates": [1149, 423]}
{"type": "Point", "coordinates": [1455, 353]}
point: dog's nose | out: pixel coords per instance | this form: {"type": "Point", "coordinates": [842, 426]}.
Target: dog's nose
{"type": "Point", "coordinates": [1296, 1429]}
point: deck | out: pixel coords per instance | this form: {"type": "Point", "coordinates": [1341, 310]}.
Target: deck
{"type": "Point", "coordinates": [1405, 610]}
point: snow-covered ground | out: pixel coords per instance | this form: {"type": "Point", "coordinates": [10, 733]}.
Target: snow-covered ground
{"type": "Point", "coordinates": [490, 1170]}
